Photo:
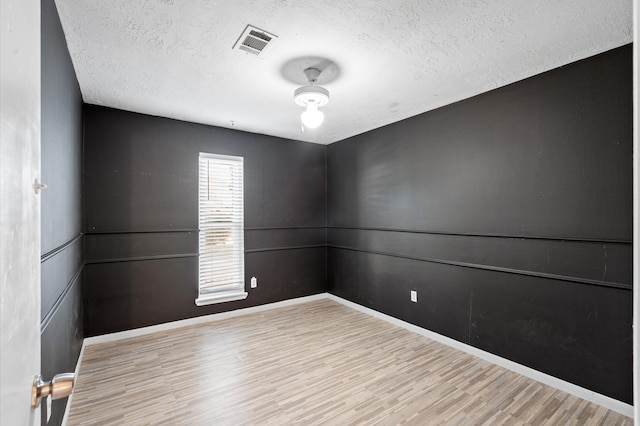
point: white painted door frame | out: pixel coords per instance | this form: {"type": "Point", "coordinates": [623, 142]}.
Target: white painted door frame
{"type": "Point", "coordinates": [636, 212]}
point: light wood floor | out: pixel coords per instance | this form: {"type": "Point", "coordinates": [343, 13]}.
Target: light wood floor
{"type": "Point", "coordinates": [313, 363]}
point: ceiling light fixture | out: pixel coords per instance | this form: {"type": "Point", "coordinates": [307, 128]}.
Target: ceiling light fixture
{"type": "Point", "coordinates": [311, 97]}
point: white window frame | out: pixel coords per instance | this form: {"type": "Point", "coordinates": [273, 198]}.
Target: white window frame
{"type": "Point", "coordinates": [233, 288]}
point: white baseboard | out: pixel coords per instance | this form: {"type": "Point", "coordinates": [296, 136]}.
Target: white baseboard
{"type": "Point", "coordinates": [111, 337]}
{"type": "Point", "coordinates": [605, 401]}
{"type": "Point", "coordinates": [76, 372]}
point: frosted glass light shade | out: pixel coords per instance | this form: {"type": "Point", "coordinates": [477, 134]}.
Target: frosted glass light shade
{"type": "Point", "coordinates": [312, 117]}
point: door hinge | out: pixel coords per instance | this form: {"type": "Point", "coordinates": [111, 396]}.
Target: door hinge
{"type": "Point", "coordinates": [38, 186]}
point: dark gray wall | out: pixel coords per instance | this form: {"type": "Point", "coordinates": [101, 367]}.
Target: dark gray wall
{"type": "Point", "coordinates": [511, 215]}
{"type": "Point", "coordinates": [141, 218]}
{"type": "Point", "coordinates": [62, 244]}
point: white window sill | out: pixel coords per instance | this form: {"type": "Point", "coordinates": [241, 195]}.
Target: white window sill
{"type": "Point", "coordinates": [210, 299]}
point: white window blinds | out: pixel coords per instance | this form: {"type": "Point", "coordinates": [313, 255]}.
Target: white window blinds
{"type": "Point", "coordinates": [221, 220]}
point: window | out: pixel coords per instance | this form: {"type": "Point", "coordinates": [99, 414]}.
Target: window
{"type": "Point", "coordinates": [221, 224]}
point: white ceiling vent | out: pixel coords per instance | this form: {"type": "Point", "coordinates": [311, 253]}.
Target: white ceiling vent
{"type": "Point", "coordinates": [254, 40]}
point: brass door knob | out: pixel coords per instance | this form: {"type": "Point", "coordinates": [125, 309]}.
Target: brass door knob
{"type": "Point", "coordinates": [59, 387]}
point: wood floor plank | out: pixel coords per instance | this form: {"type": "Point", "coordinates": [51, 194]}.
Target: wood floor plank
{"type": "Point", "coordinates": [316, 363]}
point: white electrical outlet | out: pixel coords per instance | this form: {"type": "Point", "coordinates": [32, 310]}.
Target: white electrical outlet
{"type": "Point", "coordinates": [414, 296]}
{"type": "Point", "coordinates": [254, 282]}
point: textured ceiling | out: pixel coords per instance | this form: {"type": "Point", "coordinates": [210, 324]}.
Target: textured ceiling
{"type": "Point", "coordinates": [384, 60]}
